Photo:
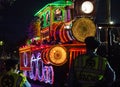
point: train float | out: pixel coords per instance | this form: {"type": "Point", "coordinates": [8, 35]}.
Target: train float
{"type": "Point", "coordinates": [55, 37]}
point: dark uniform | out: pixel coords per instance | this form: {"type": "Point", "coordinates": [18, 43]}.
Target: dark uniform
{"type": "Point", "coordinates": [91, 70]}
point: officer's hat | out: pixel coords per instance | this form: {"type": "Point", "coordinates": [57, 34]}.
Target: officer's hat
{"type": "Point", "coordinates": [91, 43]}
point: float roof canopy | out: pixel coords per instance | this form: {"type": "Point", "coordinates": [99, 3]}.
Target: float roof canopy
{"type": "Point", "coordinates": [57, 3]}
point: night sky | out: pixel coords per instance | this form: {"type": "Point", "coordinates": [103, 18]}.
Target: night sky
{"type": "Point", "coordinates": [14, 19]}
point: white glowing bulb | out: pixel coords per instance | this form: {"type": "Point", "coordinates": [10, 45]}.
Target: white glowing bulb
{"type": "Point", "coordinates": [87, 7]}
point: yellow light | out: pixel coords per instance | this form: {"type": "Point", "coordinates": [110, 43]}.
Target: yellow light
{"type": "Point", "coordinates": [1, 43]}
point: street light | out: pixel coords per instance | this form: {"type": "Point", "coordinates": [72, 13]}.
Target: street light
{"type": "Point", "coordinates": [1, 43]}
{"type": "Point", "coordinates": [85, 8]}
{"type": "Point", "coordinates": [111, 22]}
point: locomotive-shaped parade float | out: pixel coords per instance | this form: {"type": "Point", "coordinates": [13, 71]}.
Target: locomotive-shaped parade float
{"type": "Point", "coordinates": [55, 37]}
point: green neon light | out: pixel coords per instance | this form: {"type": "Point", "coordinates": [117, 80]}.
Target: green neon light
{"type": "Point", "coordinates": [57, 3]}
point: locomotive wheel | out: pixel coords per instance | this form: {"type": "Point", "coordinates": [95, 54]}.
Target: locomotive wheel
{"type": "Point", "coordinates": [57, 55]}
{"type": "Point", "coordinates": [82, 28]}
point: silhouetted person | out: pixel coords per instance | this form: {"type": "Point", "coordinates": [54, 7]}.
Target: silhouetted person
{"type": "Point", "coordinates": [90, 69]}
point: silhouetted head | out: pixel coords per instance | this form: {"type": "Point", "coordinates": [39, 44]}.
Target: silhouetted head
{"type": "Point", "coordinates": [11, 63]}
{"type": "Point", "coordinates": [91, 43]}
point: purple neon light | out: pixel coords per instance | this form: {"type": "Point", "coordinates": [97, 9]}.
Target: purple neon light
{"type": "Point", "coordinates": [40, 71]}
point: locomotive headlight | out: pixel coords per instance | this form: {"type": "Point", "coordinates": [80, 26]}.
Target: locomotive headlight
{"type": "Point", "coordinates": [87, 7]}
